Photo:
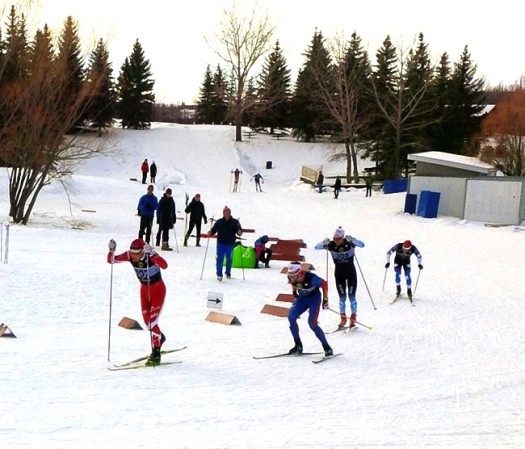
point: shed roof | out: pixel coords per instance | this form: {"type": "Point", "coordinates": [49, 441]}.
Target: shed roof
{"type": "Point", "coordinates": [453, 160]}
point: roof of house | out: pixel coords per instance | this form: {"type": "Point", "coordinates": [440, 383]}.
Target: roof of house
{"type": "Point", "coordinates": [453, 160]}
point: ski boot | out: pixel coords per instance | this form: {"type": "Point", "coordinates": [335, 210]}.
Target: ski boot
{"type": "Point", "coordinates": [162, 339]}
{"type": "Point", "coordinates": [409, 293]}
{"type": "Point", "coordinates": [398, 291]}
{"type": "Point", "coordinates": [328, 351]}
{"type": "Point", "coordinates": [297, 349]}
{"type": "Point", "coordinates": [219, 278]}
{"type": "Point", "coordinates": [154, 358]}
{"type": "Point", "coordinates": [352, 320]}
{"type": "Point", "coordinates": [342, 322]}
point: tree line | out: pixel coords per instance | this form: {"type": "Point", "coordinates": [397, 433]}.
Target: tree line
{"type": "Point", "coordinates": [399, 103]}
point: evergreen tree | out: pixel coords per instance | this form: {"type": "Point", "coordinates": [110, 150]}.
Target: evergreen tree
{"type": "Point", "coordinates": [99, 75]}
{"type": "Point", "coordinates": [220, 97]}
{"type": "Point", "coordinates": [466, 96]}
{"type": "Point", "coordinates": [204, 110]}
{"type": "Point", "coordinates": [310, 116]}
{"type": "Point", "coordinates": [385, 79]}
{"type": "Point", "coordinates": [135, 90]}
{"type": "Point", "coordinates": [70, 64]}
{"type": "Point", "coordinates": [274, 92]}
{"type": "Point", "coordinates": [422, 101]}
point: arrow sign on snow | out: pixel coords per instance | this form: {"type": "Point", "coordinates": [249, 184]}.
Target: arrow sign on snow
{"type": "Point", "coordinates": [215, 300]}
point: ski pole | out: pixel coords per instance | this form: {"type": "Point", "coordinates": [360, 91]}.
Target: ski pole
{"type": "Point", "coordinates": [357, 322]}
{"type": "Point", "coordinates": [110, 302]}
{"type": "Point", "coordinates": [384, 279]}
{"type": "Point", "coordinates": [417, 280]}
{"type": "Point", "coordinates": [175, 235]}
{"type": "Point", "coordinates": [206, 251]}
{"type": "Point", "coordinates": [364, 280]}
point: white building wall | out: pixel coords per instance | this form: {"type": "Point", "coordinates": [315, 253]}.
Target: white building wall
{"type": "Point", "coordinates": [493, 202]}
{"type": "Point", "coordinates": [453, 190]}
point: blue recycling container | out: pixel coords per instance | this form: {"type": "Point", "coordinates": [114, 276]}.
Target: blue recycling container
{"type": "Point", "coordinates": [428, 204]}
{"type": "Point", "coordinates": [395, 186]}
{"type": "Point", "coordinates": [410, 203]}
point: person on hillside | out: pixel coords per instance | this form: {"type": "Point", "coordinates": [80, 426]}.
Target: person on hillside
{"type": "Point", "coordinates": [153, 172]}
{"type": "Point", "coordinates": [197, 214]}
{"type": "Point", "coordinates": [403, 251]}
{"type": "Point", "coordinates": [262, 254]}
{"type": "Point", "coordinates": [166, 219]}
{"type": "Point", "coordinates": [144, 168]}
{"type": "Point", "coordinates": [341, 249]}
{"type": "Point", "coordinates": [257, 178]}
{"type": "Point", "coordinates": [227, 229]}
{"type": "Point", "coordinates": [337, 187]}
{"type": "Point", "coordinates": [306, 289]}
{"type": "Point", "coordinates": [369, 182]}
{"type": "Point", "coordinates": [147, 265]}
{"type": "Point", "coordinates": [319, 181]}
{"type": "Point", "coordinates": [236, 177]}
{"type": "Point", "coordinates": [146, 208]}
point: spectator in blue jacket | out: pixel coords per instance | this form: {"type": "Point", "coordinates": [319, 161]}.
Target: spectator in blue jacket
{"type": "Point", "coordinates": [146, 208]}
{"type": "Point", "coordinates": [227, 229]}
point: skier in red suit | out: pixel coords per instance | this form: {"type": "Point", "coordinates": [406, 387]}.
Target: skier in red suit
{"type": "Point", "coordinates": [147, 265]}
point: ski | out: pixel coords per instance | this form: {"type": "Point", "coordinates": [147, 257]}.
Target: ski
{"type": "Point", "coordinates": [140, 365]}
{"type": "Point", "coordinates": [351, 329]}
{"type": "Point", "coordinates": [284, 354]}
{"type": "Point", "coordinates": [410, 298]}
{"type": "Point", "coordinates": [325, 358]}
{"type": "Point", "coordinates": [140, 359]}
{"type": "Point", "coordinates": [344, 329]}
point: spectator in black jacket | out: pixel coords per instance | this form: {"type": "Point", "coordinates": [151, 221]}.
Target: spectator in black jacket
{"type": "Point", "coordinates": [166, 219]}
{"type": "Point", "coordinates": [197, 213]}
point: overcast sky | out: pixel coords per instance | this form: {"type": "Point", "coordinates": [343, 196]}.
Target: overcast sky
{"type": "Point", "coordinates": [172, 32]}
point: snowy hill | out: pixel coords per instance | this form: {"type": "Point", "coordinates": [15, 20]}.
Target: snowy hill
{"type": "Point", "coordinates": [448, 372]}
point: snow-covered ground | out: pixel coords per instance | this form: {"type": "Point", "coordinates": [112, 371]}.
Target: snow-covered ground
{"type": "Point", "coordinates": [448, 372]}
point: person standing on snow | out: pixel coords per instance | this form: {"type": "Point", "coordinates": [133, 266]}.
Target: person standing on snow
{"type": "Point", "coordinates": [306, 289]}
{"type": "Point", "coordinates": [147, 265]}
{"type": "Point", "coordinates": [227, 229]}
{"type": "Point", "coordinates": [341, 249]}
{"type": "Point", "coordinates": [319, 181]}
{"type": "Point", "coordinates": [166, 219]}
{"type": "Point", "coordinates": [146, 208]}
{"type": "Point", "coordinates": [403, 252]}
{"type": "Point", "coordinates": [153, 172]}
{"type": "Point", "coordinates": [197, 213]}
{"type": "Point", "coordinates": [144, 168]}
{"type": "Point", "coordinates": [337, 187]}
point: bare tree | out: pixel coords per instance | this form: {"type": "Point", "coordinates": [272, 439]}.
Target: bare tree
{"type": "Point", "coordinates": [240, 43]}
{"type": "Point", "coordinates": [342, 93]}
{"type": "Point", "coordinates": [34, 118]}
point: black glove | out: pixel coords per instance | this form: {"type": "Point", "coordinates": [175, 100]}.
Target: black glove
{"type": "Point", "coordinates": [420, 266]}
{"type": "Point", "coordinates": [387, 265]}
{"type": "Point", "coordinates": [326, 305]}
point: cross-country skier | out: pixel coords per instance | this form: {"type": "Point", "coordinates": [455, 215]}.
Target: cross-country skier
{"type": "Point", "coordinates": [341, 249]}
{"type": "Point", "coordinates": [147, 265]}
{"type": "Point", "coordinates": [257, 178]}
{"type": "Point", "coordinates": [403, 252]}
{"type": "Point", "coordinates": [306, 289]}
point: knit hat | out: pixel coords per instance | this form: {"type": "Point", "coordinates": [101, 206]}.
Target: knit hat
{"type": "Point", "coordinates": [265, 239]}
{"type": "Point", "coordinates": [339, 233]}
{"type": "Point", "coordinates": [136, 246]}
{"type": "Point", "coordinates": [294, 269]}
{"type": "Point", "coordinates": [407, 244]}
{"type": "Point", "coordinates": [168, 191]}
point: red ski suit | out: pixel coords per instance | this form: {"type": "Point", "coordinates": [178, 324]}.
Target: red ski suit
{"type": "Point", "coordinates": [151, 296]}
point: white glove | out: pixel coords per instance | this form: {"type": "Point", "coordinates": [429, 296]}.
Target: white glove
{"type": "Point", "coordinates": [112, 245]}
{"type": "Point", "coordinates": [148, 249]}
{"type": "Point", "coordinates": [326, 241]}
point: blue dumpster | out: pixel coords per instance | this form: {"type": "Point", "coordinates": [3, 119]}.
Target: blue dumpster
{"type": "Point", "coordinates": [428, 204]}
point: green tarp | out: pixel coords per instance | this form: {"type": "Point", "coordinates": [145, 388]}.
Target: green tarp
{"type": "Point", "coordinates": [243, 257]}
